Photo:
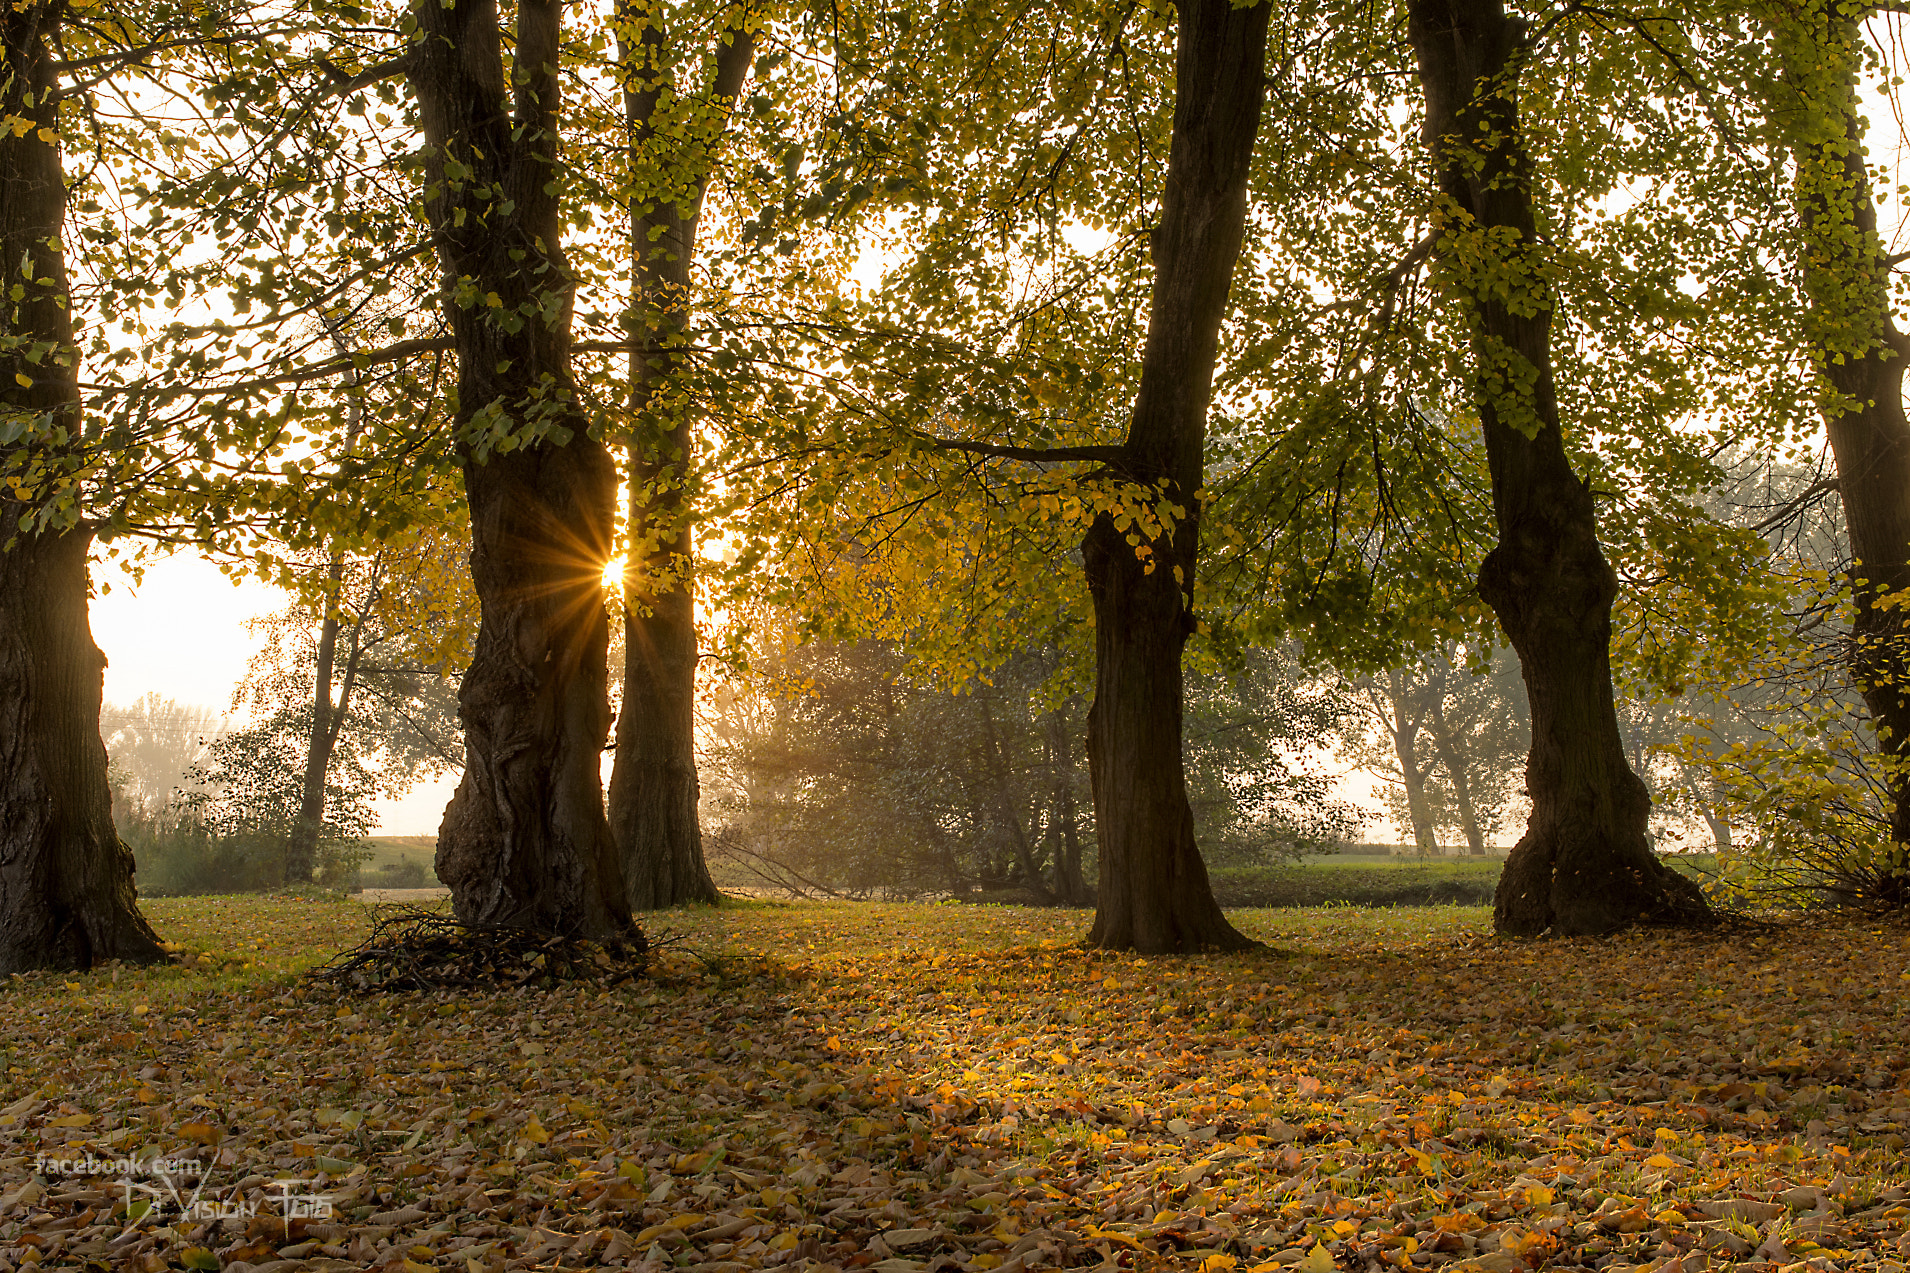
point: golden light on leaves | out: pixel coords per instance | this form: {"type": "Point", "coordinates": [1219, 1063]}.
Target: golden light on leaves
{"type": "Point", "coordinates": [960, 1088]}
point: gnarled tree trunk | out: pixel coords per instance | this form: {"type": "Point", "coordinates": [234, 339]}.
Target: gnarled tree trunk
{"type": "Point", "coordinates": [1154, 895]}
{"type": "Point", "coordinates": [524, 842]}
{"type": "Point", "coordinates": [66, 879]}
{"type": "Point", "coordinates": [1861, 355]}
{"type": "Point", "coordinates": [653, 783]}
{"type": "Point", "coordinates": [1585, 864]}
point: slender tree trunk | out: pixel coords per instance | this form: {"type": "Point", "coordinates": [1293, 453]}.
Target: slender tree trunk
{"type": "Point", "coordinates": [653, 783]}
{"type": "Point", "coordinates": [1009, 819]}
{"type": "Point", "coordinates": [1860, 355]}
{"type": "Point", "coordinates": [301, 850]}
{"type": "Point", "coordinates": [1154, 895]}
{"type": "Point", "coordinates": [1070, 886]}
{"type": "Point", "coordinates": [1584, 864]}
{"type": "Point", "coordinates": [1412, 775]}
{"type": "Point", "coordinates": [1446, 745]}
{"type": "Point", "coordinates": [525, 841]}
{"type": "Point", "coordinates": [66, 879]}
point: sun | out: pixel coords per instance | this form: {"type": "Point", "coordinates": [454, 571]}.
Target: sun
{"type": "Point", "coordinates": [613, 572]}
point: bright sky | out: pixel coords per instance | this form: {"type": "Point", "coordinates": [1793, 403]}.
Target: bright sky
{"type": "Point", "coordinates": [181, 633]}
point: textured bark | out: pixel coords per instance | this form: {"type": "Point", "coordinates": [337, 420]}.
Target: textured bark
{"type": "Point", "coordinates": [525, 841]}
{"type": "Point", "coordinates": [66, 880]}
{"type": "Point", "coordinates": [1861, 355]}
{"type": "Point", "coordinates": [1154, 894]}
{"type": "Point", "coordinates": [653, 783]}
{"type": "Point", "coordinates": [1584, 864]}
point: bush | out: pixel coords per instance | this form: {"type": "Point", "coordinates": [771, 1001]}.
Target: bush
{"type": "Point", "coordinates": [404, 874]}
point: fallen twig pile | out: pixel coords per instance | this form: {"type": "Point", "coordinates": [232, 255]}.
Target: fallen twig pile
{"type": "Point", "coordinates": [416, 949]}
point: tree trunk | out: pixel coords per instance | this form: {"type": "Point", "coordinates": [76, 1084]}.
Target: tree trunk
{"type": "Point", "coordinates": [1860, 354]}
{"type": "Point", "coordinates": [1070, 886]}
{"type": "Point", "coordinates": [1584, 864]}
{"type": "Point", "coordinates": [1447, 747]}
{"type": "Point", "coordinates": [301, 850]}
{"type": "Point", "coordinates": [66, 879]}
{"type": "Point", "coordinates": [1154, 895]}
{"type": "Point", "coordinates": [653, 782]}
{"type": "Point", "coordinates": [525, 841]}
{"type": "Point", "coordinates": [1412, 775]}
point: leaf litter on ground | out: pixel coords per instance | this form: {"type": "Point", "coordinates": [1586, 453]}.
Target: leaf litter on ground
{"type": "Point", "coordinates": [914, 1089]}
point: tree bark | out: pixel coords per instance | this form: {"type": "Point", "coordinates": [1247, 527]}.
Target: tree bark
{"type": "Point", "coordinates": [653, 783]}
{"type": "Point", "coordinates": [1860, 355]}
{"type": "Point", "coordinates": [1154, 895]}
{"type": "Point", "coordinates": [66, 880]}
{"type": "Point", "coordinates": [1584, 864]}
{"type": "Point", "coordinates": [524, 842]}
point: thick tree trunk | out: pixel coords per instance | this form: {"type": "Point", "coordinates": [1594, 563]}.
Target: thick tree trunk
{"type": "Point", "coordinates": [66, 880]}
{"type": "Point", "coordinates": [1584, 864]}
{"type": "Point", "coordinates": [525, 841]}
{"type": "Point", "coordinates": [1861, 355]}
{"type": "Point", "coordinates": [1154, 895]}
{"type": "Point", "coordinates": [653, 783]}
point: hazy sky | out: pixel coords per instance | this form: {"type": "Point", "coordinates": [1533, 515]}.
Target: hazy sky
{"type": "Point", "coordinates": [181, 632]}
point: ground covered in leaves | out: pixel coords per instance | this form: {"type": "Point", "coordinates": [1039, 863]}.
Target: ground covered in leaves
{"type": "Point", "coordinates": [914, 1089]}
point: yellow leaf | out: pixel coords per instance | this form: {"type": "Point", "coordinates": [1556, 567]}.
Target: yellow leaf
{"type": "Point", "coordinates": [1214, 1263]}
{"type": "Point", "coordinates": [1318, 1260]}
{"type": "Point", "coordinates": [71, 1120]}
{"type": "Point", "coordinates": [534, 1131]}
{"type": "Point", "coordinates": [24, 379]}
{"type": "Point", "coordinates": [204, 1133]}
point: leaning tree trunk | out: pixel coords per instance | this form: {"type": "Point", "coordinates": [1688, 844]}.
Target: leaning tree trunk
{"type": "Point", "coordinates": [66, 879]}
{"type": "Point", "coordinates": [1585, 864]}
{"type": "Point", "coordinates": [653, 783]}
{"type": "Point", "coordinates": [524, 842]}
{"type": "Point", "coordinates": [1860, 354]}
{"type": "Point", "coordinates": [1154, 895]}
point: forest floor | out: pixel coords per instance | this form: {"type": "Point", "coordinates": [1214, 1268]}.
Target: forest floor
{"type": "Point", "coordinates": [914, 1089]}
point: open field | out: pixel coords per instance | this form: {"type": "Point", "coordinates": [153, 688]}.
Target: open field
{"type": "Point", "coordinates": [917, 1088]}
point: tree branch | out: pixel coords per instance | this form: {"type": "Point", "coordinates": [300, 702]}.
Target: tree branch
{"type": "Point", "coordinates": [1032, 454]}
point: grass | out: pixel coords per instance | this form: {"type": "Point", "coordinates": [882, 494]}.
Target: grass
{"type": "Point", "coordinates": [396, 851]}
{"type": "Point", "coordinates": [1385, 882]}
{"type": "Point", "coordinates": [907, 1088]}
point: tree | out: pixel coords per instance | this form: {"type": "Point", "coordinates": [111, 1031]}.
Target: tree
{"type": "Point", "coordinates": [1251, 720]}
{"type": "Point", "coordinates": [366, 671]}
{"type": "Point", "coordinates": [151, 744]}
{"type": "Point", "coordinates": [844, 772]}
{"type": "Point", "coordinates": [1445, 738]}
{"type": "Point", "coordinates": [1585, 863]}
{"type": "Point", "coordinates": [1154, 896]}
{"type": "Point", "coordinates": [674, 132]}
{"type": "Point", "coordinates": [1857, 352]}
{"type": "Point", "coordinates": [66, 879]}
{"type": "Point", "coordinates": [525, 841]}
